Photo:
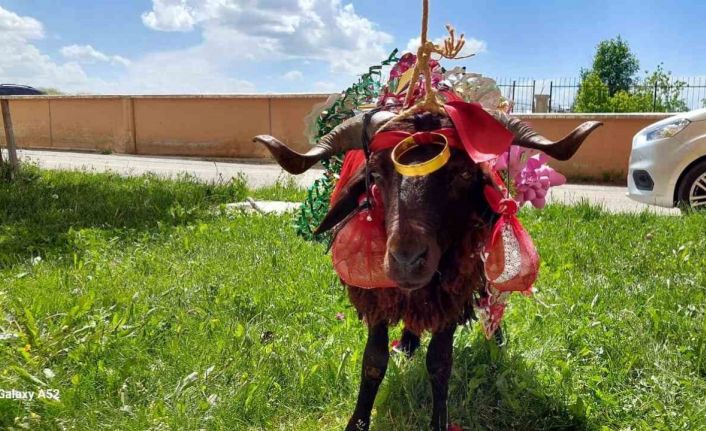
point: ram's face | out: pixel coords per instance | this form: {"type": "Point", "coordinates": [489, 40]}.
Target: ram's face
{"type": "Point", "coordinates": [424, 215]}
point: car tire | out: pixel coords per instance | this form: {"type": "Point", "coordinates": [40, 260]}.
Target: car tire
{"type": "Point", "coordinates": [691, 194]}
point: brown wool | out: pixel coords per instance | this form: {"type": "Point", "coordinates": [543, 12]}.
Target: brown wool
{"type": "Point", "coordinates": [446, 300]}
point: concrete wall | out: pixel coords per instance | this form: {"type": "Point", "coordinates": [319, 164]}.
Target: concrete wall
{"type": "Point", "coordinates": [223, 126]}
{"type": "Point", "coordinates": [203, 126]}
{"type": "Point", "coordinates": [606, 153]}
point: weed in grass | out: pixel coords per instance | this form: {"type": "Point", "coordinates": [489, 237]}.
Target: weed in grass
{"type": "Point", "coordinates": [147, 317]}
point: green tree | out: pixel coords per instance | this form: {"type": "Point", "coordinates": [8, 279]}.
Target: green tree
{"type": "Point", "coordinates": [666, 92]}
{"type": "Point", "coordinates": [612, 85]}
{"type": "Point", "coordinates": [615, 65]}
{"type": "Point", "coordinates": [656, 93]}
{"type": "Point", "coordinates": [593, 95]}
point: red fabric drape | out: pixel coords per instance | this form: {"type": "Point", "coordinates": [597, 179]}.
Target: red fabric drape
{"type": "Point", "coordinates": [359, 247]}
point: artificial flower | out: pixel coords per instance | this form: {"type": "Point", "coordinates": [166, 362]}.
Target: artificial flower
{"type": "Point", "coordinates": [530, 175]}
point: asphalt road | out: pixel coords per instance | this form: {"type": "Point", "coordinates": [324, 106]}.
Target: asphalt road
{"type": "Point", "coordinates": [261, 173]}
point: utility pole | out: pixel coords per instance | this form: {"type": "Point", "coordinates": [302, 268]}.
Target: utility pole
{"type": "Point", "coordinates": [9, 136]}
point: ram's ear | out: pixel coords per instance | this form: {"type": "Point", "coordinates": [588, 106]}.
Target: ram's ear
{"type": "Point", "coordinates": [346, 202]}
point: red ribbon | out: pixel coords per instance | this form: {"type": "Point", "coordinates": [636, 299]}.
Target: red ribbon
{"type": "Point", "coordinates": [477, 132]}
{"type": "Point", "coordinates": [359, 248]}
{"type": "Point", "coordinates": [483, 137]}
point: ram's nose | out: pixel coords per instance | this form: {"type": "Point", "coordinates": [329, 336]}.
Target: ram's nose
{"type": "Point", "coordinates": [410, 258]}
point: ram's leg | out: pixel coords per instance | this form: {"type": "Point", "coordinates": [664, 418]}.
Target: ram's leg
{"type": "Point", "coordinates": [409, 343]}
{"type": "Point", "coordinates": [439, 362]}
{"type": "Point", "coordinates": [374, 367]}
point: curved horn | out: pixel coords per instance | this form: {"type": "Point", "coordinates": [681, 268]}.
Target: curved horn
{"type": "Point", "coordinates": [562, 149]}
{"type": "Point", "coordinates": [347, 135]}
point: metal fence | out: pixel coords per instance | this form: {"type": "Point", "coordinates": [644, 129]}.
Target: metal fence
{"type": "Point", "coordinates": [558, 95]}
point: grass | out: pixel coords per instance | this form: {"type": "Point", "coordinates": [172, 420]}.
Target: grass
{"type": "Point", "coordinates": [285, 189]}
{"type": "Point", "coordinates": [149, 307]}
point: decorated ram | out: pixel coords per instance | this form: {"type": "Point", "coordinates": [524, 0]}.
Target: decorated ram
{"type": "Point", "coordinates": [415, 215]}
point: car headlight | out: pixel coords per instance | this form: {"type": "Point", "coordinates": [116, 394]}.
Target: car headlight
{"type": "Point", "coordinates": [666, 130]}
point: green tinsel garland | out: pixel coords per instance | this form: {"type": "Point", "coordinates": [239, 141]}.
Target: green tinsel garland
{"type": "Point", "coordinates": [363, 92]}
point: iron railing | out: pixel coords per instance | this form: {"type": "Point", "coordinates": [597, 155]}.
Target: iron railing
{"type": "Point", "coordinates": [561, 93]}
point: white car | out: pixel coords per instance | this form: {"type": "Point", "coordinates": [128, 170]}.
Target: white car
{"type": "Point", "coordinates": [668, 162]}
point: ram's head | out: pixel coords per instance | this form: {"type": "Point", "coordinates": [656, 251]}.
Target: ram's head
{"type": "Point", "coordinates": [426, 214]}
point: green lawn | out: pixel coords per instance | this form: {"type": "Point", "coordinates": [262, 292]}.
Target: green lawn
{"type": "Point", "coordinates": [149, 307]}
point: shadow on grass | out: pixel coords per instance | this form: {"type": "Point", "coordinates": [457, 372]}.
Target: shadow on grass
{"type": "Point", "coordinates": [41, 211]}
{"type": "Point", "coordinates": [490, 390]}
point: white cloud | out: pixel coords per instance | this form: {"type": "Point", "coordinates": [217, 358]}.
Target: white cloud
{"type": "Point", "coordinates": [185, 72]}
{"type": "Point", "coordinates": [293, 75]}
{"type": "Point", "coordinates": [116, 59]}
{"type": "Point", "coordinates": [267, 30]}
{"type": "Point", "coordinates": [88, 54]}
{"type": "Point", "coordinates": [170, 15]}
{"type": "Point", "coordinates": [20, 27]}
{"type": "Point", "coordinates": [238, 38]}
{"type": "Point", "coordinates": [168, 72]}
{"type": "Point", "coordinates": [23, 63]}
{"type": "Point", "coordinates": [472, 46]}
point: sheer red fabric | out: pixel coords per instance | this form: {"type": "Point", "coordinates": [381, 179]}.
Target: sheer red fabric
{"type": "Point", "coordinates": [358, 251]}
{"type": "Point", "coordinates": [353, 161]}
{"type": "Point", "coordinates": [359, 247]}
{"type": "Point", "coordinates": [511, 260]}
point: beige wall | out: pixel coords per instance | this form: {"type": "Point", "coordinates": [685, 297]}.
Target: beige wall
{"type": "Point", "coordinates": [200, 126]}
{"type": "Point", "coordinates": [31, 123]}
{"type": "Point", "coordinates": [91, 124]}
{"type": "Point", "coordinates": [606, 153]}
{"type": "Point", "coordinates": [223, 126]}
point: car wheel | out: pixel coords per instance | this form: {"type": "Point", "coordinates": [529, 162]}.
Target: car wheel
{"type": "Point", "coordinates": [692, 189]}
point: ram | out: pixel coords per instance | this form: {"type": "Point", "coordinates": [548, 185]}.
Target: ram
{"type": "Point", "coordinates": [435, 227]}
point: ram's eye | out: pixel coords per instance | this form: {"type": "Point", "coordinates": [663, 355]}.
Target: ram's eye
{"type": "Point", "coordinates": [466, 175]}
{"type": "Point", "coordinates": [375, 176]}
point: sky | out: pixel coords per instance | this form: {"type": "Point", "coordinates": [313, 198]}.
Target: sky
{"type": "Point", "coordinates": [290, 46]}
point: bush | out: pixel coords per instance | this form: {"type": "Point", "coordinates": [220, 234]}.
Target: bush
{"type": "Point", "coordinates": [623, 101]}
{"type": "Point", "coordinates": [593, 95]}
{"type": "Point", "coordinates": [611, 86]}
{"type": "Point", "coordinates": [656, 93]}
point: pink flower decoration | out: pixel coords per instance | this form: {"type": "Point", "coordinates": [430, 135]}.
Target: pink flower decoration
{"type": "Point", "coordinates": [531, 175]}
{"type": "Point", "coordinates": [514, 159]}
